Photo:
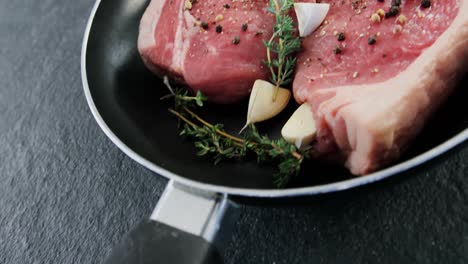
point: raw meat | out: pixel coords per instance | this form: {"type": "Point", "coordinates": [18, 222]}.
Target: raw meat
{"type": "Point", "coordinates": [175, 40]}
{"type": "Point", "coordinates": [370, 101]}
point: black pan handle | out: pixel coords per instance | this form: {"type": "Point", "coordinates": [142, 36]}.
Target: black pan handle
{"type": "Point", "coordinates": [188, 226]}
{"type": "Point", "coordinates": [157, 243]}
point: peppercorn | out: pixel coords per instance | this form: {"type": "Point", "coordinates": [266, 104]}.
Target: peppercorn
{"type": "Point", "coordinates": [372, 40]}
{"type": "Point", "coordinates": [244, 27]}
{"type": "Point", "coordinates": [397, 29]}
{"type": "Point", "coordinates": [219, 29]}
{"type": "Point", "coordinates": [218, 18]}
{"type": "Point", "coordinates": [425, 3]}
{"type": "Point", "coordinates": [227, 6]}
{"type": "Point", "coordinates": [401, 19]}
{"type": "Point", "coordinates": [337, 50]}
{"type": "Point", "coordinates": [236, 40]}
{"type": "Point", "coordinates": [394, 10]}
{"type": "Point", "coordinates": [341, 36]}
{"type": "Point", "coordinates": [375, 18]}
{"type": "Point", "coordinates": [204, 25]}
{"type": "Point", "coordinates": [380, 12]}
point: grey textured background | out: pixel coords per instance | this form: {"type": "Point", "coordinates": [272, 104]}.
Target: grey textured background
{"type": "Point", "coordinates": [67, 195]}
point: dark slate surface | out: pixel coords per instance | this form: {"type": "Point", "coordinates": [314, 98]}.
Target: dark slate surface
{"type": "Point", "coordinates": [67, 195]}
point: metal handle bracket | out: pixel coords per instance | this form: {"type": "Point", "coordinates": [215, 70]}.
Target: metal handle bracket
{"type": "Point", "coordinates": [194, 211]}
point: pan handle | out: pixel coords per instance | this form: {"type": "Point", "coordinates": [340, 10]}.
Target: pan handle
{"type": "Point", "coordinates": [187, 226]}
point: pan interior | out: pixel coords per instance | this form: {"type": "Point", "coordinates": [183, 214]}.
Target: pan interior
{"type": "Point", "coordinates": [127, 96]}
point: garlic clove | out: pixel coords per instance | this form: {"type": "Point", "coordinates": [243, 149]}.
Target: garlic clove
{"type": "Point", "coordinates": [300, 128]}
{"type": "Point", "coordinates": [262, 106]}
{"type": "Point", "coordinates": [310, 16]}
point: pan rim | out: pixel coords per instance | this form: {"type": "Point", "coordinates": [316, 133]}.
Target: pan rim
{"type": "Point", "coordinates": [267, 193]}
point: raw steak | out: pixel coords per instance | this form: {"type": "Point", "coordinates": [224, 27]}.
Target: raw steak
{"type": "Point", "coordinates": [175, 40]}
{"type": "Point", "coordinates": [370, 101]}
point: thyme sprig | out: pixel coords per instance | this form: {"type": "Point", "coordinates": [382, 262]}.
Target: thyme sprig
{"type": "Point", "coordinates": [283, 42]}
{"type": "Point", "coordinates": [183, 99]}
{"type": "Point", "coordinates": [211, 140]}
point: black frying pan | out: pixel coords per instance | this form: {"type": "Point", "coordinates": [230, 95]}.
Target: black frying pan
{"type": "Point", "coordinates": [124, 98]}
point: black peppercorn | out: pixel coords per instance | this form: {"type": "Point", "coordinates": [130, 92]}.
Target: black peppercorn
{"type": "Point", "coordinates": [372, 40]}
{"type": "Point", "coordinates": [236, 40]}
{"type": "Point", "coordinates": [244, 27]}
{"type": "Point", "coordinates": [341, 36]}
{"type": "Point", "coordinates": [204, 25]}
{"type": "Point", "coordinates": [394, 10]}
{"type": "Point", "coordinates": [227, 6]}
{"type": "Point", "coordinates": [219, 29]}
{"type": "Point", "coordinates": [425, 3]}
{"type": "Point", "coordinates": [337, 50]}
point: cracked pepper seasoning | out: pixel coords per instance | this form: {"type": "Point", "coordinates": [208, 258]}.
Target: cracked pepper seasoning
{"type": "Point", "coordinates": [341, 36]}
{"type": "Point", "coordinates": [425, 3]}
{"type": "Point", "coordinates": [337, 50]}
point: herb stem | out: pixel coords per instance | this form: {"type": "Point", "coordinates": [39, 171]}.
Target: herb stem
{"type": "Point", "coordinates": [182, 117]}
{"type": "Point", "coordinates": [238, 142]}
{"type": "Point", "coordinates": [294, 153]}
{"type": "Point", "coordinates": [297, 155]}
{"type": "Point", "coordinates": [206, 123]}
{"type": "Point", "coordinates": [273, 36]}
{"type": "Point", "coordinates": [188, 98]}
{"type": "Point", "coordinates": [280, 68]}
{"type": "Point", "coordinates": [167, 96]}
{"type": "Point", "coordinates": [277, 5]}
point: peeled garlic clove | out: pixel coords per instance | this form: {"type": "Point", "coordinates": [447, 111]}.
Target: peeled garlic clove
{"type": "Point", "coordinates": [310, 16]}
{"type": "Point", "coordinates": [300, 128]}
{"type": "Point", "coordinates": [261, 103]}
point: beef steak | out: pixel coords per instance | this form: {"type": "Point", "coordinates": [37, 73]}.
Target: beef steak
{"type": "Point", "coordinates": [212, 46]}
{"type": "Point", "coordinates": [373, 91]}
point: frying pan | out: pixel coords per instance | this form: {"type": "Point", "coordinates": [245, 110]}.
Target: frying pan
{"type": "Point", "coordinates": [124, 97]}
